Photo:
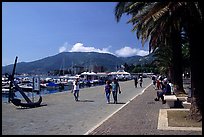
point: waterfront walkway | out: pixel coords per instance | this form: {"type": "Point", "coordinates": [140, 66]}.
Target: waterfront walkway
{"type": "Point", "coordinates": [136, 114]}
{"type": "Point", "coordinates": [139, 117]}
{"type": "Point", "coordinates": [63, 115]}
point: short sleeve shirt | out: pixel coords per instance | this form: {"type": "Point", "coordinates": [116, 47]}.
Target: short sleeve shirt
{"type": "Point", "coordinates": [76, 85]}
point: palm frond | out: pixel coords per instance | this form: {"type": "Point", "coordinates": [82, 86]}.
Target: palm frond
{"type": "Point", "coordinates": [120, 10]}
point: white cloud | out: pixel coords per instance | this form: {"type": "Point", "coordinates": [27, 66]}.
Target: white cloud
{"type": "Point", "coordinates": [63, 48]}
{"type": "Point", "coordinates": [123, 52]}
{"type": "Point", "coordinates": [79, 47]}
{"type": "Point", "coordinates": [128, 52]}
{"type": "Point", "coordinates": [142, 52]}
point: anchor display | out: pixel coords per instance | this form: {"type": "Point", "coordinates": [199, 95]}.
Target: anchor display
{"type": "Point", "coordinates": [14, 86]}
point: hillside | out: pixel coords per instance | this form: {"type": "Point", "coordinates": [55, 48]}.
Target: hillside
{"type": "Point", "coordinates": [66, 60]}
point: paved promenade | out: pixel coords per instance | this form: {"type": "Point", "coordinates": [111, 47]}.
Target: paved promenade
{"type": "Point", "coordinates": [136, 114]}
{"type": "Point", "coordinates": [139, 117]}
{"type": "Point", "coordinates": [64, 116]}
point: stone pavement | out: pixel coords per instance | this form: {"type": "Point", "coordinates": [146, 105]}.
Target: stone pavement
{"type": "Point", "coordinates": [139, 117]}
{"type": "Point", "coordinates": [63, 115]}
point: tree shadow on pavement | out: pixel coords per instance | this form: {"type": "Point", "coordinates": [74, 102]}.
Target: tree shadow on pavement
{"type": "Point", "coordinates": [117, 103]}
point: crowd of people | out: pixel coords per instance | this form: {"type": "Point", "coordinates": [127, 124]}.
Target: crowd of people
{"type": "Point", "coordinates": [161, 84]}
{"type": "Point", "coordinates": [110, 87]}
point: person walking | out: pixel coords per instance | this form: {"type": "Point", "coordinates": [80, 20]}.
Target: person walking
{"type": "Point", "coordinates": [136, 81]}
{"type": "Point", "coordinates": [107, 90]}
{"type": "Point", "coordinates": [115, 88]}
{"type": "Point", "coordinates": [158, 84]}
{"type": "Point", "coordinates": [154, 81]}
{"type": "Point", "coordinates": [140, 81]}
{"type": "Point", "coordinates": [76, 89]}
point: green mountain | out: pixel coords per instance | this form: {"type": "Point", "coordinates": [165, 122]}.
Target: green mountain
{"type": "Point", "coordinates": [66, 60]}
{"type": "Point", "coordinates": [135, 60]}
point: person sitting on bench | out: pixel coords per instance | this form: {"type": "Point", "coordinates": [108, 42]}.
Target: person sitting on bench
{"type": "Point", "coordinates": [165, 91]}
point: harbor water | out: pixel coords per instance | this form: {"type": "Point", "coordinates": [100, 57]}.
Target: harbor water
{"type": "Point", "coordinates": [42, 92]}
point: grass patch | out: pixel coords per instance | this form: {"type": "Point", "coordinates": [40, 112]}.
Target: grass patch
{"type": "Point", "coordinates": [177, 118]}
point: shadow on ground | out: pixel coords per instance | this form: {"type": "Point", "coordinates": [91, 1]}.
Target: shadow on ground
{"type": "Point", "coordinates": [117, 103]}
{"type": "Point", "coordinates": [85, 100]}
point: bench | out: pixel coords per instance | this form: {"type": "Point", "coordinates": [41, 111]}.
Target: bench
{"type": "Point", "coordinates": [183, 99]}
{"type": "Point", "coordinates": [170, 99]}
{"type": "Point", "coordinates": [185, 102]}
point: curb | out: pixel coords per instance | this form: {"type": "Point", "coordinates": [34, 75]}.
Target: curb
{"type": "Point", "coordinates": [163, 121]}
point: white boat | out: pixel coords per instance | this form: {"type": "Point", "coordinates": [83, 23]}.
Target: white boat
{"type": "Point", "coordinates": [5, 90]}
{"type": "Point", "coordinates": [120, 75]}
{"type": "Point", "coordinates": [26, 87]}
{"type": "Point", "coordinates": [43, 85]}
{"type": "Point", "coordinates": [5, 85]}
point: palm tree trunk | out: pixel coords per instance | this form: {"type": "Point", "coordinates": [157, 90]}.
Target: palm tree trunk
{"type": "Point", "coordinates": [177, 61]}
{"type": "Point", "coordinates": [195, 34]}
{"type": "Point", "coordinates": [170, 73]}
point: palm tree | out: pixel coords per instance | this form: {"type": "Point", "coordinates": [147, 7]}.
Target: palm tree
{"type": "Point", "coordinates": [163, 60]}
{"type": "Point", "coordinates": [154, 21]}
{"type": "Point", "coordinates": [194, 17]}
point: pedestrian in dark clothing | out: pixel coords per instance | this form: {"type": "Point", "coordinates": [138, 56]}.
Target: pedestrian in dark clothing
{"type": "Point", "coordinates": [108, 89]}
{"type": "Point", "coordinates": [154, 81]}
{"type": "Point", "coordinates": [135, 81]}
{"type": "Point", "coordinates": [165, 91]}
{"type": "Point", "coordinates": [115, 88]}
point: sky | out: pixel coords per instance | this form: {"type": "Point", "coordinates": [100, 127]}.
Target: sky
{"type": "Point", "coordinates": [35, 30]}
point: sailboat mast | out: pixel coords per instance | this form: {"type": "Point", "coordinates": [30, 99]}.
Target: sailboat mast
{"type": "Point", "coordinates": [63, 66]}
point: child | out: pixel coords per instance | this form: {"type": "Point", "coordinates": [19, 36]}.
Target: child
{"type": "Point", "coordinates": [107, 89]}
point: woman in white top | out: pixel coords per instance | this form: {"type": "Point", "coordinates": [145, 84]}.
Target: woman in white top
{"type": "Point", "coordinates": [76, 89]}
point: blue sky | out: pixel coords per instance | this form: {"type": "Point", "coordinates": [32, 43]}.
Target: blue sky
{"type": "Point", "coordinates": [35, 30]}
